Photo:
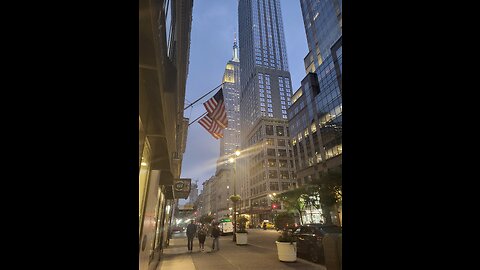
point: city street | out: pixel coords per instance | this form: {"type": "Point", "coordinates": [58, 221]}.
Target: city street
{"type": "Point", "coordinates": [260, 253]}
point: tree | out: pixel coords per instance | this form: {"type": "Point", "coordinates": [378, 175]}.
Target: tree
{"type": "Point", "coordinates": [284, 220]}
{"type": "Point", "coordinates": [292, 200]}
{"type": "Point", "coordinates": [242, 221]}
{"type": "Point", "coordinates": [329, 188]}
{"type": "Point", "coordinates": [206, 219]}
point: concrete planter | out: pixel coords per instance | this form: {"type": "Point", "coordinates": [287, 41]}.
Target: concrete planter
{"type": "Point", "coordinates": [241, 238]}
{"type": "Point", "coordinates": [287, 252]}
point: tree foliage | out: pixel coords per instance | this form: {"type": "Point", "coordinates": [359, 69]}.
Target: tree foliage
{"type": "Point", "coordinates": [284, 220]}
{"type": "Point", "coordinates": [242, 222]}
{"type": "Point", "coordinates": [206, 219]}
{"type": "Point", "coordinates": [329, 189]}
{"type": "Point", "coordinates": [292, 200]}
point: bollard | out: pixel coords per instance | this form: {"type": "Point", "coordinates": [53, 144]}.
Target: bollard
{"type": "Point", "coordinates": [332, 248]}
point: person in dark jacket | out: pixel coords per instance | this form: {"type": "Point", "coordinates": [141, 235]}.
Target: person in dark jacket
{"type": "Point", "coordinates": [202, 234]}
{"type": "Point", "coordinates": [215, 235]}
{"type": "Point", "coordinates": [191, 230]}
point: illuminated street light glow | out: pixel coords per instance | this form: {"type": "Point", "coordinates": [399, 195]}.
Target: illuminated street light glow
{"type": "Point", "coordinates": [231, 160]}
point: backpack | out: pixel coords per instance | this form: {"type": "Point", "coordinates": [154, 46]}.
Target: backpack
{"type": "Point", "coordinates": [215, 232]}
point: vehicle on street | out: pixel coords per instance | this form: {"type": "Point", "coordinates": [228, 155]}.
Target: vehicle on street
{"type": "Point", "coordinates": [177, 229]}
{"type": "Point", "coordinates": [309, 239]}
{"type": "Point", "coordinates": [226, 226]}
{"type": "Point", "coordinates": [269, 225]}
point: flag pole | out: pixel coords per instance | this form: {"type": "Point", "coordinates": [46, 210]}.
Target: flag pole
{"type": "Point", "coordinates": [197, 118]}
{"type": "Point", "coordinates": [191, 104]}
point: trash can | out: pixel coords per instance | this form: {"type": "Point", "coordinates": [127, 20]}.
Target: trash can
{"type": "Point", "coordinates": [332, 248]}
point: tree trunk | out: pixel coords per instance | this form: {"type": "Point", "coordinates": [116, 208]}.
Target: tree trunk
{"type": "Point", "coordinates": [300, 213]}
{"type": "Point", "coordinates": [326, 214]}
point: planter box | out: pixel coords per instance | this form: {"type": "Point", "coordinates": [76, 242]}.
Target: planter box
{"type": "Point", "coordinates": [287, 252]}
{"type": "Point", "coordinates": [241, 238]}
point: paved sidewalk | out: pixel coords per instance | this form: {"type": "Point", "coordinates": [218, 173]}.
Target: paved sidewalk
{"type": "Point", "coordinates": [230, 257]}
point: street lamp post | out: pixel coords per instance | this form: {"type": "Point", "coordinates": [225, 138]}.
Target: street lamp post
{"type": "Point", "coordinates": [233, 160]}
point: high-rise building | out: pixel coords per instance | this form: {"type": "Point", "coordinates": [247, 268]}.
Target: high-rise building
{"type": "Point", "coordinates": [315, 116]}
{"type": "Point", "coordinates": [266, 165]}
{"type": "Point", "coordinates": [231, 94]}
{"type": "Point", "coordinates": [223, 183]}
{"type": "Point", "coordinates": [323, 27]}
{"type": "Point", "coordinates": [193, 196]}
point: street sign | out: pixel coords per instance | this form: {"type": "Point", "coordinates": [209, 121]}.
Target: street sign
{"type": "Point", "coordinates": [181, 188]}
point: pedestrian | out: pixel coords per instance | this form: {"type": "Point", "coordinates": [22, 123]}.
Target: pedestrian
{"type": "Point", "coordinates": [202, 234]}
{"type": "Point", "coordinates": [191, 230]}
{"type": "Point", "coordinates": [215, 235]}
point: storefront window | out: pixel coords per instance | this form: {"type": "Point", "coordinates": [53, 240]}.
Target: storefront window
{"type": "Point", "coordinates": [143, 180]}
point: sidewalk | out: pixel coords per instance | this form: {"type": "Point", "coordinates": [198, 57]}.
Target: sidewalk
{"type": "Point", "coordinates": [230, 256]}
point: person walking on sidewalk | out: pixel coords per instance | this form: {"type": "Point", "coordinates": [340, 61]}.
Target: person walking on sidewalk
{"type": "Point", "coordinates": [215, 235]}
{"type": "Point", "coordinates": [202, 234]}
{"type": "Point", "coordinates": [191, 230]}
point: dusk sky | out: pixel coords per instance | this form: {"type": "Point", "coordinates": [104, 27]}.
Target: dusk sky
{"type": "Point", "coordinates": [213, 26]}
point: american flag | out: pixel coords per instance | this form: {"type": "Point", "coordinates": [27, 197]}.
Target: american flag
{"type": "Point", "coordinates": [216, 109]}
{"type": "Point", "coordinates": [212, 127]}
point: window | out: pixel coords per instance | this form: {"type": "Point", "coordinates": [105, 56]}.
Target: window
{"type": "Point", "coordinates": [270, 142]}
{"type": "Point", "coordinates": [272, 174]}
{"type": "Point", "coordinates": [270, 109]}
{"type": "Point", "coordinates": [282, 163]}
{"type": "Point", "coordinates": [269, 129]}
{"type": "Point", "coordinates": [274, 186]}
{"type": "Point", "coordinates": [270, 115]}
{"type": "Point", "coordinates": [280, 131]}
{"type": "Point", "coordinates": [281, 142]}
{"type": "Point", "coordinates": [271, 152]}
{"type": "Point", "coordinates": [286, 185]}
{"type": "Point", "coordinates": [271, 163]}
{"type": "Point", "coordinates": [284, 174]}
{"type": "Point", "coordinates": [282, 152]}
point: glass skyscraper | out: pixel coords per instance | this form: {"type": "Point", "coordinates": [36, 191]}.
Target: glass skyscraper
{"type": "Point", "coordinates": [323, 27]}
{"type": "Point", "coordinates": [315, 116]}
{"type": "Point", "coordinates": [266, 165]}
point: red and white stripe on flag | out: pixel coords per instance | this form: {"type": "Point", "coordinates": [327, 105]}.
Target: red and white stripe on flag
{"type": "Point", "coordinates": [216, 109]}
{"type": "Point", "coordinates": [211, 126]}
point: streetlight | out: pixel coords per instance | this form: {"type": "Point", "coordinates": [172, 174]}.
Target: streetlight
{"type": "Point", "coordinates": [233, 160]}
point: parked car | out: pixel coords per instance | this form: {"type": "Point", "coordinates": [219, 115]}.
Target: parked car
{"type": "Point", "coordinates": [309, 239]}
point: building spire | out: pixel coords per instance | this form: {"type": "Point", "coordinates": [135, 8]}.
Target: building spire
{"type": "Point", "coordinates": [235, 48]}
